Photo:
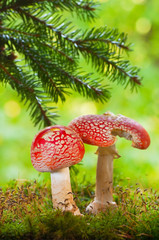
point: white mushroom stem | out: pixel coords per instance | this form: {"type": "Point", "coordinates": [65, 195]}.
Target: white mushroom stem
{"type": "Point", "coordinates": [62, 196]}
{"type": "Point", "coordinates": [104, 180]}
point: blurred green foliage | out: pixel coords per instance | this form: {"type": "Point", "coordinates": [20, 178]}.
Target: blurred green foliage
{"type": "Point", "coordinates": [16, 130]}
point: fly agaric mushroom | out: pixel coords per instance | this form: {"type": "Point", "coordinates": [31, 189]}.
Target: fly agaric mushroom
{"type": "Point", "coordinates": [101, 130]}
{"type": "Point", "coordinates": [54, 149]}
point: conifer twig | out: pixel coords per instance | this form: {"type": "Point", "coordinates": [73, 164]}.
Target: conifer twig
{"type": "Point", "coordinates": [40, 53]}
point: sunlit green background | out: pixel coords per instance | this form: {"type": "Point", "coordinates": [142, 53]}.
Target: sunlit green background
{"type": "Point", "coordinates": [140, 19]}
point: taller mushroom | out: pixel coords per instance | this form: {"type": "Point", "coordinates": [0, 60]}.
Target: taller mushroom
{"type": "Point", "coordinates": [101, 130]}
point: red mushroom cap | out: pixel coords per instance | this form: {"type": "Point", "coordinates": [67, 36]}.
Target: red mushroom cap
{"type": "Point", "coordinates": [56, 147]}
{"type": "Point", "coordinates": [100, 130]}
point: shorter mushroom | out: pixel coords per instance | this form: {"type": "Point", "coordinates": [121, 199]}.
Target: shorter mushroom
{"type": "Point", "coordinates": [101, 130]}
{"type": "Point", "coordinates": [54, 149]}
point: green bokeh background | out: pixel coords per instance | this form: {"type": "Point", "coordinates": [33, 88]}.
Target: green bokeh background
{"type": "Point", "coordinates": [138, 18]}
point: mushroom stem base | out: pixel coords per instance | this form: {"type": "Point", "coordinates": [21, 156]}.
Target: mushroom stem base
{"type": "Point", "coordinates": [96, 207]}
{"type": "Point", "coordinates": [62, 196]}
{"type": "Point", "coordinates": [104, 180]}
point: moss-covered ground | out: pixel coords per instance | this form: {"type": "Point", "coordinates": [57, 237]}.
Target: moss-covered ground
{"type": "Point", "coordinates": [26, 213]}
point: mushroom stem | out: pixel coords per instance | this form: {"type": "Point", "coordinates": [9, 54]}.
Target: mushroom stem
{"type": "Point", "coordinates": [62, 196]}
{"type": "Point", "coordinates": [104, 180]}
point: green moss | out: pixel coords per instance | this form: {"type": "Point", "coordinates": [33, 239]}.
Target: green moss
{"type": "Point", "coordinates": [26, 213]}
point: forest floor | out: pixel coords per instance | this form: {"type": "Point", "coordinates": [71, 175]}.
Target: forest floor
{"type": "Point", "coordinates": [26, 213]}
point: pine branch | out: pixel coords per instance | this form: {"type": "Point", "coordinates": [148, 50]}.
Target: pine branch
{"type": "Point", "coordinates": [40, 65]}
{"type": "Point", "coordinates": [106, 36]}
{"type": "Point", "coordinates": [111, 64]}
{"type": "Point", "coordinates": [83, 84]}
{"type": "Point", "coordinates": [49, 48]}
{"type": "Point", "coordinates": [27, 90]}
{"type": "Point", "coordinates": [93, 51]}
{"type": "Point", "coordinates": [62, 53]}
{"type": "Point", "coordinates": [16, 30]}
{"type": "Point", "coordinates": [84, 8]}
{"type": "Point", "coordinates": [35, 39]}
